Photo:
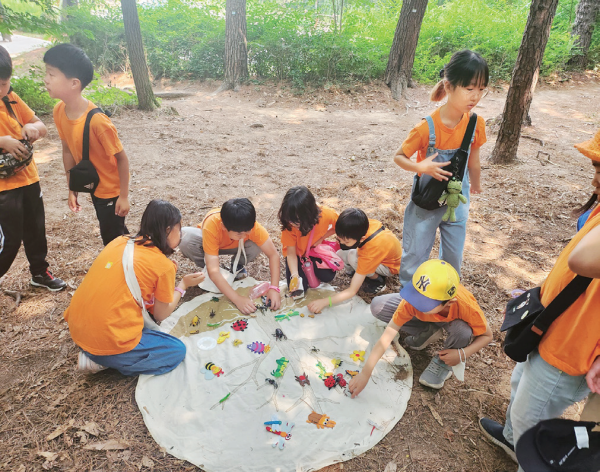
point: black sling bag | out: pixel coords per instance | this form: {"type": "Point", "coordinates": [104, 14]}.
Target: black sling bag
{"type": "Point", "coordinates": [84, 176]}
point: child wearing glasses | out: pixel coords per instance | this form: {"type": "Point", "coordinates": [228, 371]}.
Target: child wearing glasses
{"type": "Point", "coordinates": [435, 140]}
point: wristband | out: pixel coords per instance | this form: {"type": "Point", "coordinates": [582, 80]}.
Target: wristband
{"type": "Point", "coordinates": [330, 303]}
{"type": "Point", "coordinates": [180, 290]}
{"type": "Point", "coordinates": [273, 287]}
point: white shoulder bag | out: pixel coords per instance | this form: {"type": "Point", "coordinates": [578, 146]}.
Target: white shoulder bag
{"type": "Point", "coordinates": [229, 277]}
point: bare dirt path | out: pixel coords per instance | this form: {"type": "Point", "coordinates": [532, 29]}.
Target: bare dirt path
{"type": "Point", "coordinates": [201, 150]}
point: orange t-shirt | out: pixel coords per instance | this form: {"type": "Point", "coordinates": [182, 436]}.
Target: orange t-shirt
{"type": "Point", "coordinates": [385, 248]}
{"type": "Point", "coordinates": [465, 308]}
{"type": "Point", "coordinates": [573, 341]}
{"type": "Point", "coordinates": [215, 237]}
{"type": "Point", "coordinates": [104, 319]}
{"type": "Point", "coordinates": [293, 237]}
{"type": "Point", "coordinates": [445, 138]}
{"type": "Point", "coordinates": [104, 144]}
{"type": "Point", "coordinates": [10, 127]}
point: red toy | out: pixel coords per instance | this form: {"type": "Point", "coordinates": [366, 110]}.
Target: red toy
{"type": "Point", "coordinates": [240, 325]}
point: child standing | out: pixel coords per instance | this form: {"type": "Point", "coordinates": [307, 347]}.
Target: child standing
{"type": "Point", "coordinates": [68, 72]}
{"type": "Point", "coordinates": [22, 217]}
{"type": "Point", "coordinates": [434, 300]}
{"type": "Point", "coordinates": [436, 140]}
{"type": "Point", "coordinates": [302, 220]}
{"type": "Point", "coordinates": [370, 250]}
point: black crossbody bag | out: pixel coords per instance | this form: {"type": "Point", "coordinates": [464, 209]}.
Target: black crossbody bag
{"type": "Point", "coordinates": [427, 190]}
{"type": "Point", "coordinates": [84, 176]}
{"type": "Point", "coordinates": [526, 320]}
{"type": "Point", "coordinates": [11, 165]}
{"type": "Point", "coordinates": [375, 233]}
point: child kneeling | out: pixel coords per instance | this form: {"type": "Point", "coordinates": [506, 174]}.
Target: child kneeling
{"type": "Point", "coordinates": [434, 301]}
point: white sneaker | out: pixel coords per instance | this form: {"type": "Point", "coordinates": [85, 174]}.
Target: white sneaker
{"type": "Point", "coordinates": [85, 364]}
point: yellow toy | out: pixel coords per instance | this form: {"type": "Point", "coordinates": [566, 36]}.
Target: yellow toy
{"type": "Point", "coordinates": [223, 335]}
{"type": "Point", "coordinates": [358, 356]}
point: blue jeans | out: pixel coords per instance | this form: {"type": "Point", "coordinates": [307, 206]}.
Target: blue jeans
{"type": "Point", "coordinates": [539, 391]}
{"type": "Point", "coordinates": [418, 233]}
{"type": "Point", "coordinates": [156, 353]}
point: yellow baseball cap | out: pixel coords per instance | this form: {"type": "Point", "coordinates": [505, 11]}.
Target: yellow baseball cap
{"type": "Point", "coordinates": [435, 281]}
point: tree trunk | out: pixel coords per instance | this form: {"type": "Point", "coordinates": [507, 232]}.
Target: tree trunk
{"type": "Point", "coordinates": [583, 27]}
{"type": "Point", "coordinates": [529, 60]}
{"type": "Point", "coordinates": [402, 54]}
{"type": "Point", "coordinates": [137, 58]}
{"type": "Point", "coordinates": [236, 47]}
{"type": "Point", "coordinates": [67, 4]}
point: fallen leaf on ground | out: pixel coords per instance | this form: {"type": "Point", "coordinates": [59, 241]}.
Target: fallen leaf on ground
{"type": "Point", "coordinates": [147, 462]}
{"type": "Point", "coordinates": [92, 428]}
{"type": "Point", "coordinates": [391, 467]}
{"type": "Point", "coordinates": [107, 445]}
{"type": "Point", "coordinates": [436, 415]}
{"type": "Point", "coordinates": [60, 430]}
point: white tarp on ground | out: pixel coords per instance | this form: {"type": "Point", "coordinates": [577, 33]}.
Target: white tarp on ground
{"type": "Point", "coordinates": [182, 410]}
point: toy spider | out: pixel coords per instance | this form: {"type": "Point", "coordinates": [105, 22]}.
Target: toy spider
{"type": "Point", "coordinates": [314, 349]}
{"type": "Point", "coordinates": [272, 382]}
{"type": "Point", "coordinates": [212, 313]}
{"type": "Point", "coordinates": [279, 335]}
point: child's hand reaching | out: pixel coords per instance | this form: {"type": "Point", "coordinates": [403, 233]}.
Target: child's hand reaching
{"type": "Point", "coordinates": [318, 305]}
{"type": "Point", "coordinates": [358, 383]}
{"type": "Point", "coordinates": [434, 169]}
{"type": "Point", "coordinates": [13, 146]}
{"type": "Point", "coordinates": [190, 280]}
{"type": "Point", "coordinates": [450, 356]}
{"type": "Point", "coordinates": [30, 132]}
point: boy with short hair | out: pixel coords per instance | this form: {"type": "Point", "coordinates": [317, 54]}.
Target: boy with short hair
{"type": "Point", "coordinates": [434, 301]}
{"type": "Point", "coordinates": [22, 216]}
{"type": "Point", "coordinates": [68, 72]}
{"type": "Point", "coordinates": [370, 252]}
{"type": "Point", "coordinates": [219, 234]}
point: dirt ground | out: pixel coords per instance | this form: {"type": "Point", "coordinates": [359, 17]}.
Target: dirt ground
{"type": "Point", "coordinates": [201, 150]}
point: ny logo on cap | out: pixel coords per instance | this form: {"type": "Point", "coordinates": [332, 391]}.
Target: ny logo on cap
{"type": "Point", "coordinates": [423, 282]}
{"type": "Point", "coordinates": [452, 291]}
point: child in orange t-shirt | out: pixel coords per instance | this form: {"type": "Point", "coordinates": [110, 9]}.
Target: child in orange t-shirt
{"type": "Point", "coordinates": [68, 72]}
{"type": "Point", "coordinates": [104, 318]}
{"type": "Point", "coordinates": [369, 250]}
{"type": "Point", "coordinates": [22, 217]}
{"type": "Point", "coordinates": [434, 300]}
{"type": "Point", "coordinates": [220, 233]}
{"type": "Point", "coordinates": [435, 140]}
{"type": "Point", "coordinates": [303, 220]}
{"type": "Point", "coordinates": [566, 365]}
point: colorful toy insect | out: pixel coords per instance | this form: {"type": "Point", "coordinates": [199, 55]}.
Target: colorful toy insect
{"type": "Point", "coordinates": [195, 332]}
{"type": "Point", "coordinates": [279, 335]}
{"type": "Point", "coordinates": [357, 356]}
{"type": "Point", "coordinates": [330, 382]}
{"type": "Point", "coordinates": [237, 342]}
{"type": "Point", "coordinates": [340, 380]}
{"type": "Point", "coordinates": [210, 371]}
{"type": "Point", "coordinates": [258, 348]}
{"type": "Point", "coordinates": [314, 349]}
{"type": "Point", "coordinates": [272, 382]}
{"type": "Point", "coordinates": [321, 421]}
{"type": "Point", "coordinates": [262, 307]}
{"type": "Point", "coordinates": [195, 321]}
{"type": "Point", "coordinates": [223, 335]}
{"type": "Point", "coordinates": [214, 325]}
{"type": "Point", "coordinates": [284, 433]}
{"type": "Point", "coordinates": [311, 316]}
{"type": "Point", "coordinates": [214, 299]}
{"type": "Point", "coordinates": [337, 362]}
{"type": "Point", "coordinates": [224, 398]}
{"type": "Point", "coordinates": [240, 325]}
{"type": "Point", "coordinates": [303, 379]}
{"type": "Point", "coordinates": [282, 364]}
{"type": "Point", "coordinates": [212, 313]}
{"type": "Point", "coordinates": [322, 372]}
{"type": "Point", "coordinates": [287, 316]}
{"type": "Point", "coordinates": [352, 373]}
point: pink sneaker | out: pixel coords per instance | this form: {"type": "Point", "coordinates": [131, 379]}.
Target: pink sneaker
{"type": "Point", "coordinates": [85, 364]}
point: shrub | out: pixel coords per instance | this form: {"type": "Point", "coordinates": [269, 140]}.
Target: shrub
{"type": "Point", "coordinates": [32, 90]}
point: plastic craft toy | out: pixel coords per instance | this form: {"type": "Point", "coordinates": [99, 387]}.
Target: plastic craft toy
{"type": "Point", "coordinates": [214, 299]}
{"type": "Point", "coordinates": [284, 433]}
{"type": "Point", "coordinates": [333, 380]}
{"type": "Point", "coordinates": [352, 373]}
{"type": "Point", "coordinates": [282, 363]}
{"type": "Point", "coordinates": [258, 348]}
{"type": "Point", "coordinates": [453, 198]}
{"type": "Point", "coordinates": [337, 362]}
{"type": "Point", "coordinates": [195, 332]}
{"type": "Point", "coordinates": [212, 313]}
{"type": "Point", "coordinates": [303, 379]}
{"type": "Point", "coordinates": [287, 316]}
{"type": "Point", "coordinates": [240, 325]}
{"type": "Point", "coordinates": [214, 325]}
{"type": "Point", "coordinates": [237, 342]}
{"type": "Point", "coordinates": [279, 335]}
{"type": "Point", "coordinates": [320, 421]}
{"type": "Point", "coordinates": [322, 372]}
{"type": "Point", "coordinates": [195, 321]}
{"type": "Point", "coordinates": [358, 356]}
{"type": "Point", "coordinates": [210, 371]}
{"type": "Point", "coordinates": [223, 335]}
{"type": "Point", "coordinates": [272, 382]}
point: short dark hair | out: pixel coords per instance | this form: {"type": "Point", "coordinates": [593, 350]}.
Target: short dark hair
{"type": "Point", "coordinates": [352, 223]}
{"type": "Point", "coordinates": [72, 62]}
{"type": "Point", "coordinates": [238, 214]}
{"type": "Point", "coordinates": [299, 207]}
{"type": "Point", "coordinates": [6, 68]}
{"type": "Point", "coordinates": [159, 216]}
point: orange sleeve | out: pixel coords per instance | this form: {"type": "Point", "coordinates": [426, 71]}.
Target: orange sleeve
{"type": "Point", "coordinates": [107, 134]}
{"type": "Point", "coordinates": [403, 314]}
{"type": "Point", "coordinates": [23, 111]}
{"type": "Point", "coordinates": [165, 285]}
{"type": "Point", "coordinates": [287, 239]}
{"type": "Point", "coordinates": [417, 139]}
{"type": "Point", "coordinates": [330, 217]}
{"type": "Point", "coordinates": [258, 234]}
{"type": "Point", "coordinates": [480, 137]}
{"type": "Point", "coordinates": [211, 236]}
{"type": "Point", "coordinates": [56, 114]}
{"type": "Point", "coordinates": [472, 314]}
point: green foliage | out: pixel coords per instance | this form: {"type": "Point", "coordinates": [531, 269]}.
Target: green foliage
{"type": "Point", "coordinates": [33, 92]}
{"type": "Point", "coordinates": [299, 40]}
{"type": "Point", "coordinates": [37, 16]}
{"type": "Point", "coordinates": [109, 98]}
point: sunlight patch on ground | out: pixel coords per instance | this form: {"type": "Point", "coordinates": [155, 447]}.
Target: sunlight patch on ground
{"type": "Point", "coordinates": [46, 155]}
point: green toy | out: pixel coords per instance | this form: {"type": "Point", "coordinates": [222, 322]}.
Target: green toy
{"type": "Point", "coordinates": [453, 197]}
{"type": "Point", "coordinates": [286, 316]}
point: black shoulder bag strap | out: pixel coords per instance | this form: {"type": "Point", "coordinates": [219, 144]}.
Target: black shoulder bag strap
{"type": "Point", "coordinates": [561, 302]}
{"type": "Point", "coordinates": [372, 236]}
{"type": "Point", "coordinates": [85, 150]}
{"type": "Point", "coordinates": [9, 107]}
{"type": "Point", "coordinates": [459, 166]}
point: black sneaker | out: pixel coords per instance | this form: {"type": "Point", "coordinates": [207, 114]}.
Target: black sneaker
{"type": "Point", "coordinates": [373, 285]}
{"type": "Point", "coordinates": [47, 280]}
{"type": "Point", "coordinates": [492, 430]}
